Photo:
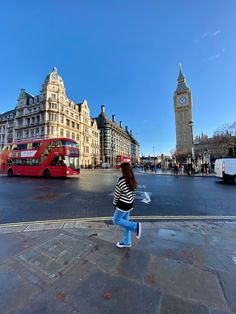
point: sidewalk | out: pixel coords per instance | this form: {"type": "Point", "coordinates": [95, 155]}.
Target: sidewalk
{"type": "Point", "coordinates": [179, 267]}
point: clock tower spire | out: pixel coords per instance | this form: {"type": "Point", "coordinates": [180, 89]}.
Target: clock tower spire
{"type": "Point", "coordinates": [183, 116]}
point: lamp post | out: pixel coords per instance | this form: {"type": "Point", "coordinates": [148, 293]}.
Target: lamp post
{"type": "Point", "coordinates": [112, 152]}
{"type": "Point", "coordinates": [191, 128]}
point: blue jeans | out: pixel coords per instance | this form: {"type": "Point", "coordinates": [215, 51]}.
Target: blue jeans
{"type": "Point", "coordinates": [121, 218]}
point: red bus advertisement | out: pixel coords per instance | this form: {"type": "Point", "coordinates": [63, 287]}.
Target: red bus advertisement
{"type": "Point", "coordinates": [58, 157]}
{"type": "Point", "coordinates": [122, 158]}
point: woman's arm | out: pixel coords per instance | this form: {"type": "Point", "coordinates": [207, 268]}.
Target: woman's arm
{"type": "Point", "coordinates": [117, 194]}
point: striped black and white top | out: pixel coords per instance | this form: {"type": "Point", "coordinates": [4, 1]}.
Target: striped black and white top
{"type": "Point", "coordinates": [123, 196]}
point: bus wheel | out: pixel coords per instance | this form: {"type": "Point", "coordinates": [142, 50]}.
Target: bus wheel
{"type": "Point", "coordinates": [10, 173]}
{"type": "Point", "coordinates": [46, 173]}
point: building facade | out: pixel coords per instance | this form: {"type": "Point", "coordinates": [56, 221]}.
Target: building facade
{"type": "Point", "coordinates": [215, 147]}
{"type": "Point", "coordinates": [52, 114]}
{"type": "Point", "coordinates": [7, 127]}
{"type": "Point", "coordinates": [183, 117]}
{"type": "Point", "coordinates": [116, 140]}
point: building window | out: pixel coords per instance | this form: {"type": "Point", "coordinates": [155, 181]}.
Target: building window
{"type": "Point", "coordinates": [67, 133]}
{"type": "Point", "coordinates": [73, 135]}
{"type": "Point", "coordinates": [61, 132]}
{"type": "Point", "coordinates": [73, 124]}
{"type": "Point", "coordinates": [67, 122]}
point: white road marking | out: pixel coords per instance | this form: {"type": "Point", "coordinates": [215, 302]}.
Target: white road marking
{"type": "Point", "coordinates": [147, 198]}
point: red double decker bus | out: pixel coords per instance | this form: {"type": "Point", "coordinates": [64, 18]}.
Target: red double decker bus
{"type": "Point", "coordinates": [122, 158]}
{"type": "Point", "coordinates": [58, 157]}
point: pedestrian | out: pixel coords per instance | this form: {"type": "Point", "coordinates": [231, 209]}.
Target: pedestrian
{"type": "Point", "coordinates": [124, 195]}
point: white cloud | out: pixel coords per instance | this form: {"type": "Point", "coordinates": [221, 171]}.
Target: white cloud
{"type": "Point", "coordinates": [208, 35]}
{"type": "Point", "coordinates": [217, 55]}
{"type": "Point", "coordinates": [216, 33]}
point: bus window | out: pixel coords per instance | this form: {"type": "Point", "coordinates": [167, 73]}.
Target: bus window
{"type": "Point", "coordinates": [69, 144]}
{"type": "Point", "coordinates": [72, 162]}
{"type": "Point", "coordinates": [21, 146]}
{"type": "Point", "coordinates": [57, 161]}
{"type": "Point", "coordinates": [36, 145]}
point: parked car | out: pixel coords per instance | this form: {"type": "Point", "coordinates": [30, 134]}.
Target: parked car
{"type": "Point", "coordinates": [225, 168]}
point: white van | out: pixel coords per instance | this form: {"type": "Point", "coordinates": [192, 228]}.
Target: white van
{"type": "Point", "coordinates": [225, 168]}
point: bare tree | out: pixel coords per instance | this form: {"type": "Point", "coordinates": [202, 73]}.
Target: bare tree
{"type": "Point", "coordinates": [225, 137]}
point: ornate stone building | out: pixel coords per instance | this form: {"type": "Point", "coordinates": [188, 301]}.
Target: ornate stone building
{"type": "Point", "coordinates": [183, 116]}
{"type": "Point", "coordinates": [115, 140]}
{"type": "Point", "coordinates": [52, 114]}
{"type": "Point", "coordinates": [7, 125]}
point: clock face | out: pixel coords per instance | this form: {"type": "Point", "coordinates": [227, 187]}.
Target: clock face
{"type": "Point", "coordinates": [182, 100]}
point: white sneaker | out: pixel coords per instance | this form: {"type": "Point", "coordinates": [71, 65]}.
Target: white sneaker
{"type": "Point", "coordinates": [122, 245]}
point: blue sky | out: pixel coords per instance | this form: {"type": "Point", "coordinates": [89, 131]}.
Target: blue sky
{"type": "Point", "coordinates": [125, 54]}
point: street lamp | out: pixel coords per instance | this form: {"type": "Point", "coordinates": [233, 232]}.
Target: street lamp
{"type": "Point", "coordinates": [112, 153]}
{"type": "Point", "coordinates": [191, 127]}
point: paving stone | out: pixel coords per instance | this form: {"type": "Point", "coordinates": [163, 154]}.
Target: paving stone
{"type": "Point", "coordinates": [56, 254]}
{"type": "Point", "coordinates": [134, 264]}
{"type": "Point", "coordinates": [186, 281]}
{"type": "Point", "coordinates": [11, 244]}
{"type": "Point", "coordinates": [220, 312]}
{"type": "Point", "coordinates": [173, 305]}
{"type": "Point", "coordinates": [159, 247]}
{"type": "Point", "coordinates": [36, 237]}
{"type": "Point", "coordinates": [212, 258]}
{"type": "Point", "coordinates": [112, 236]}
{"type": "Point", "coordinates": [102, 293]}
{"type": "Point", "coordinates": [228, 281]}
{"type": "Point", "coordinates": [15, 291]}
{"type": "Point", "coordinates": [181, 236]}
{"type": "Point", "coordinates": [104, 256]}
{"type": "Point", "coordinates": [11, 229]}
{"type": "Point", "coordinates": [45, 226]}
{"type": "Point", "coordinates": [48, 304]}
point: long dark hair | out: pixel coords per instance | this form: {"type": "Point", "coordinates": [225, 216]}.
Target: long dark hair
{"type": "Point", "coordinates": [129, 175]}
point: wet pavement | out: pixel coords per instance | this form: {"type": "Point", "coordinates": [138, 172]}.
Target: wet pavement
{"type": "Point", "coordinates": [70, 266]}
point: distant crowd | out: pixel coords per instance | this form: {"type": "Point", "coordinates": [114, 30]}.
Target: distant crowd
{"type": "Point", "coordinates": [174, 168]}
{"type": "Point", "coordinates": [179, 168]}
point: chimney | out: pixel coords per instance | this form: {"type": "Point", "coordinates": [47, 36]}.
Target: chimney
{"type": "Point", "coordinates": [131, 132]}
{"type": "Point", "coordinates": [126, 128]}
{"type": "Point", "coordinates": [121, 124]}
{"type": "Point", "coordinates": [102, 109]}
{"type": "Point", "coordinates": [113, 118]}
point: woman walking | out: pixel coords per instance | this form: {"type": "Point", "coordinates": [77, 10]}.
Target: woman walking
{"type": "Point", "coordinates": [124, 195]}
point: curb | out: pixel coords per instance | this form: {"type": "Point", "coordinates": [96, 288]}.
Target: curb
{"type": "Point", "coordinates": [102, 222]}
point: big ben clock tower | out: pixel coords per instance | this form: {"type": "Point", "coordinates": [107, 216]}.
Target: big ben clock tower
{"type": "Point", "coordinates": [183, 116]}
